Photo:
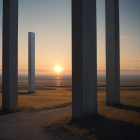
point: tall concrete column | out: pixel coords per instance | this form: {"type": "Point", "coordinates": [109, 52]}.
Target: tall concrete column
{"type": "Point", "coordinates": [10, 56]}
{"type": "Point", "coordinates": [31, 62]}
{"type": "Point", "coordinates": [84, 59]}
{"type": "Point", "coordinates": [112, 52]}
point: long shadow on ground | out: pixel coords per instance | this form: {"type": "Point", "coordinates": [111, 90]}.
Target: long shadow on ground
{"type": "Point", "coordinates": [5, 112]}
{"type": "Point", "coordinates": [25, 93]}
{"type": "Point", "coordinates": [128, 107]}
{"type": "Point", "coordinates": [103, 128]}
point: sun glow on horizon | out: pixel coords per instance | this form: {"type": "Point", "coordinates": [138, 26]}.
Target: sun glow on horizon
{"type": "Point", "coordinates": [58, 68]}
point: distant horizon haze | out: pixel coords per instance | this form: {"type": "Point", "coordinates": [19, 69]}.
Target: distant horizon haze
{"type": "Point", "coordinates": [126, 80]}
{"type": "Point", "coordinates": [69, 72]}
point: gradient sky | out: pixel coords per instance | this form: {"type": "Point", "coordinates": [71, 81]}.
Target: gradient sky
{"type": "Point", "coordinates": [51, 22]}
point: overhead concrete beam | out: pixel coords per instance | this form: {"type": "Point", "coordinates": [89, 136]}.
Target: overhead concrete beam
{"type": "Point", "coordinates": [31, 62]}
{"type": "Point", "coordinates": [112, 52]}
{"type": "Point", "coordinates": [84, 59]}
{"type": "Point", "coordinates": [10, 56]}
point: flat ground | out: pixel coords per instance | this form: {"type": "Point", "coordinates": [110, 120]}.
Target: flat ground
{"type": "Point", "coordinates": [121, 122]}
{"type": "Point", "coordinates": [29, 125]}
{"type": "Point", "coordinates": [43, 108]}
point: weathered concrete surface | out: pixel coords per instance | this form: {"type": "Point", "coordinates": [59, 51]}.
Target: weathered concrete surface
{"type": "Point", "coordinates": [10, 56]}
{"type": "Point", "coordinates": [31, 62]}
{"type": "Point", "coordinates": [84, 59]}
{"type": "Point", "coordinates": [112, 52]}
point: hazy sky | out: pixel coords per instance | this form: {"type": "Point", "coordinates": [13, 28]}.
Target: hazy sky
{"type": "Point", "coordinates": [51, 22]}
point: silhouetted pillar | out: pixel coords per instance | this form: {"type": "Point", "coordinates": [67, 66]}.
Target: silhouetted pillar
{"type": "Point", "coordinates": [112, 52]}
{"type": "Point", "coordinates": [31, 62]}
{"type": "Point", "coordinates": [84, 59]}
{"type": "Point", "coordinates": [10, 56]}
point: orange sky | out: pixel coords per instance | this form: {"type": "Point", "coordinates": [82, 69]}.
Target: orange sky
{"type": "Point", "coordinates": [51, 22]}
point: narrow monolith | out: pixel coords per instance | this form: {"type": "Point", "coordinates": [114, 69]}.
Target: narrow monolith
{"type": "Point", "coordinates": [10, 56]}
{"type": "Point", "coordinates": [84, 59]}
{"type": "Point", "coordinates": [31, 62]}
{"type": "Point", "coordinates": [112, 52]}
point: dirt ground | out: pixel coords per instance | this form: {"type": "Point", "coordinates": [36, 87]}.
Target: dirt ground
{"type": "Point", "coordinates": [111, 122]}
{"type": "Point", "coordinates": [29, 125]}
{"type": "Point", "coordinates": [49, 102]}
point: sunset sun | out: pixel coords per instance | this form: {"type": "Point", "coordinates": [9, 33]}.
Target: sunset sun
{"type": "Point", "coordinates": [58, 68]}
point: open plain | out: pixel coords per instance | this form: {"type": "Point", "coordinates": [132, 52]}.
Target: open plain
{"type": "Point", "coordinates": [46, 113]}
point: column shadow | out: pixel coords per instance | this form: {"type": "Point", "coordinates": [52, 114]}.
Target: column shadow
{"type": "Point", "coordinates": [102, 128]}
{"type": "Point", "coordinates": [128, 107]}
{"type": "Point", "coordinates": [5, 112]}
{"type": "Point", "coordinates": [25, 93]}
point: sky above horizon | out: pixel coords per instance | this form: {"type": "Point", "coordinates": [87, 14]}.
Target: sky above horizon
{"type": "Point", "coordinates": [51, 22]}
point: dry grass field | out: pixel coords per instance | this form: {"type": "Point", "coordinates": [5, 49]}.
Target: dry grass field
{"type": "Point", "coordinates": [51, 92]}
{"type": "Point", "coordinates": [120, 122]}
{"type": "Point", "coordinates": [44, 98]}
{"type": "Point", "coordinates": [111, 122]}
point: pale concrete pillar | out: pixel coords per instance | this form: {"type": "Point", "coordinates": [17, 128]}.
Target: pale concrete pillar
{"type": "Point", "coordinates": [10, 56]}
{"type": "Point", "coordinates": [31, 62]}
{"type": "Point", "coordinates": [84, 59]}
{"type": "Point", "coordinates": [112, 52]}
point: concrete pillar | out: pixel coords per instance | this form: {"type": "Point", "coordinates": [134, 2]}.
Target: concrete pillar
{"type": "Point", "coordinates": [84, 59]}
{"type": "Point", "coordinates": [112, 52]}
{"type": "Point", "coordinates": [10, 56]}
{"type": "Point", "coordinates": [31, 62]}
